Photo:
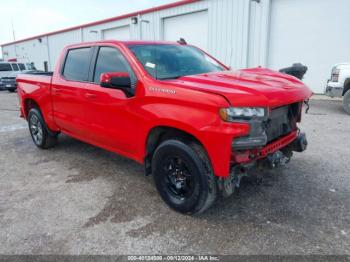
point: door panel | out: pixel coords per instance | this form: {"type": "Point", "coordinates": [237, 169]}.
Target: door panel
{"type": "Point", "coordinates": [69, 104]}
{"type": "Point", "coordinates": [68, 92]}
{"type": "Point", "coordinates": [108, 111]}
{"type": "Point", "coordinates": [107, 116]}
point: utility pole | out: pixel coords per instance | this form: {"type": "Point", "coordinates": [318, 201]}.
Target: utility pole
{"type": "Point", "coordinates": [13, 31]}
{"type": "Point", "coordinates": [14, 36]}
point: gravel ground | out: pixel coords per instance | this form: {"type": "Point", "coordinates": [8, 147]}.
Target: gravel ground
{"type": "Point", "coordinates": [79, 199]}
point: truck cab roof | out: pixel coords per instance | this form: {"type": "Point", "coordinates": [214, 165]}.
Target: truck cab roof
{"type": "Point", "coordinates": [122, 42]}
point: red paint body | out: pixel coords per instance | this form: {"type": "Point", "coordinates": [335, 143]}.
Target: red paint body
{"type": "Point", "coordinates": [109, 119]}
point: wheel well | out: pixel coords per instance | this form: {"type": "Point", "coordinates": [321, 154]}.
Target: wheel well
{"type": "Point", "coordinates": [29, 104]}
{"type": "Point", "coordinates": [159, 134]}
{"type": "Point", "coordinates": [346, 86]}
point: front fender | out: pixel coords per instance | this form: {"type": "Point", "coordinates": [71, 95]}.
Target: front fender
{"type": "Point", "coordinates": [206, 126]}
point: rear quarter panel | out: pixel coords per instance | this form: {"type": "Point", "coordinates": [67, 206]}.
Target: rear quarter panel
{"type": "Point", "coordinates": [38, 89]}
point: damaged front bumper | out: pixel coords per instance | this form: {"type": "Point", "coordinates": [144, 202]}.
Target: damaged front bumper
{"type": "Point", "coordinates": [270, 143]}
{"type": "Point", "coordinates": [334, 89]}
{"type": "Point", "coordinates": [272, 155]}
{"type": "Point", "coordinates": [296, 141]}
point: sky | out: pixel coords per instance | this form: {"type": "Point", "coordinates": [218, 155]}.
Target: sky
{"type": "Point", "coordinates": [34, 17]}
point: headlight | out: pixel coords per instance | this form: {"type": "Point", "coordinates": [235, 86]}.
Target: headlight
{"type": "Point", "coordinates": [236, 113]}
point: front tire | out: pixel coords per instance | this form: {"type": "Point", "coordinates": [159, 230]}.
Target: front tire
{"type": "Point", "coordinates": [183, 177]}
{"type": "Point", "coordinates": [41, 135]}
{"type": "Point", "coordinates": [346, 102]}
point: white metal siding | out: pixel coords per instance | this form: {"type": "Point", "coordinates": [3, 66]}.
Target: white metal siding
{"type": "Point", "coordinates": [227, 31]}
{"type": "Point", "coordinates": [29, 51]}
{"type": "Point", "coordinates": [57, 42]}
{"type": "Point", "coordinates": [192, 27]}
{"type": "Point", "coordinates": [117, 33]}
{"type": "Point", "coordinates": [95, 33]}
{"type": "Point", "coordinates": [259, 23]}
{"type": "Point", "coordinates": [313, 32]}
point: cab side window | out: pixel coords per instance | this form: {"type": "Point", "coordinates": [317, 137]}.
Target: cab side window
{"type": "Point", "coordinates": [15, 67]}
{"type": "Point", "coordinates": [77, 64]}
{"type": "Point", "coordinates": [110, 59]}
{"type": "Point", "coordinates": [22, 67]}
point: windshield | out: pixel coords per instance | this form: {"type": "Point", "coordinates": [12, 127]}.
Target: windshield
{"type": "Point", "coordinates": [174, 61]}
{"type": "Point", "coordinates": [5, 67]}
{"type": "Point", "coordinates": [30, 66]}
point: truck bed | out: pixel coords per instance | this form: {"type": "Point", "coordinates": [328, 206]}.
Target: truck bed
{"type": "Point", "coordinates": [38, 72]}
{"type": "Point", "coordinates": [26, 80]}
{"type": "Point", "coordinates": [34, 87]}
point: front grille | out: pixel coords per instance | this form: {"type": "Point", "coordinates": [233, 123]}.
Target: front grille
{"type": "Point", "coordinates": [8, 79]}
{"type": "Point", "coordinates": [282, 121]}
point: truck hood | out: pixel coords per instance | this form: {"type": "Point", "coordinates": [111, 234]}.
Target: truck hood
{"type": "Point", "coordinates": [9, 73]}
{"type": "Point", "coordinates": [342, 65]}
{"type": "Point", "coordinates": [249, 87]}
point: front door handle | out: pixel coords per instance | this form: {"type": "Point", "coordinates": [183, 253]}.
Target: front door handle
{"type": "Point", "coordinates": [90, 95]}
{"type": "Point", "coordinates": [55, 91]}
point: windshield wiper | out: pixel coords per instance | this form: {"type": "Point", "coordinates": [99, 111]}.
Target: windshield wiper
{"type": "Point", "coordinates": [170, 77]}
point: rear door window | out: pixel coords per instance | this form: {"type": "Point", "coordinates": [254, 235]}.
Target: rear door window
{"type": "Point", "coordinates": [77, 64]}
{"type": "Point", "coordinates": [5, 67]}
{"type": "Point", "coordinates": [22, 67]}
{"type": "Point", "coordinates": [15, 67]}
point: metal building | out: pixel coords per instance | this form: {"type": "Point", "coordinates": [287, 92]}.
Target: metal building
{"type": "Point", "coordinates": [240, 33]}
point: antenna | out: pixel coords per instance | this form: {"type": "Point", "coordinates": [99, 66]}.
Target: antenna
{"type": "Point", "coordinates": [182, 41]}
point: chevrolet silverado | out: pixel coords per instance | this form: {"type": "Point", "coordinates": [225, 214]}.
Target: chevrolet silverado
{"type": "Point", "coordinates": [194, 124]}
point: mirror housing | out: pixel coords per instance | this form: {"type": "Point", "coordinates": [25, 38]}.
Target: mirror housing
{"type": "Point", "coordinates": [117, 80]}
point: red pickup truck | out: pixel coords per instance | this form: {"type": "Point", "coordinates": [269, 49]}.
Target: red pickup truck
{"type": "Point", "coordinates": [196, 126]}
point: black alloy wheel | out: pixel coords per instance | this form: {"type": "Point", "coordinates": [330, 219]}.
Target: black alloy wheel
{"type": "Point", "coordinates": [183, 176]}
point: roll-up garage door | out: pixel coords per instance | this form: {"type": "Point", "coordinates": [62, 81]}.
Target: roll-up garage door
{"type": "Point", "coordinates": [117, 33]}
{"type": "Point", "coordinates": [192, 27]}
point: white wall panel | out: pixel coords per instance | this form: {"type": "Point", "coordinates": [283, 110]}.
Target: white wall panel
{"type": "Point", "coordinates": [95, 32]}
{"type": "Point", "coordinates": [313, 32]}
{"type": "Point", "coordinates": [154, 29]}
{"type": "Point", "coordinates": [259, 23]}
{"type": "Point", "coordinates": [226, 32]}
{"type": "Point", "coordinates": [192, 27]}
{"type": "Point", "coordinates": [117, 33]}
{"type": "Point", "coordinates": [28, 52]}
{"type": "Point", "coordinates": [58, 41]}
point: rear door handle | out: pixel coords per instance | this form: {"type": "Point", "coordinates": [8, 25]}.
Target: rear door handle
{"type": "Point", "coordinates": [90, 95]}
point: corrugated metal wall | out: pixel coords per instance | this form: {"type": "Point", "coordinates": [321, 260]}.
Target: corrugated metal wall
{"type": "Point", "coordinates": [259, 24]}
{"type": "Point", "coordinates": [237, 33]}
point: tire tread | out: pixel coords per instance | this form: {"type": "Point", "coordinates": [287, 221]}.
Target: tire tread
{"type": "Point", "coordinates": [203, 164]}
{"type": "Point", "coordinates": [50, 138]}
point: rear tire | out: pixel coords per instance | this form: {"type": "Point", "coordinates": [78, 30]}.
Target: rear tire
{"type": "Point", "coordinates": [346, 102]}
{"type": "Point", "coordinates": [41, 135]}
{"type": "Point", "coordinates": [183, 176]}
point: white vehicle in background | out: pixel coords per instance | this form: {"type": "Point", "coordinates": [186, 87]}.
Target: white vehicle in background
{"type": "Point", "coordinates": [339, 84]}
{"type": "Point", "coordinates": [9, 72]}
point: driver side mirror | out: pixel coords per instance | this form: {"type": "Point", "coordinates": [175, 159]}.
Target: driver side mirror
{"type": "Point", "coordinates": [117, 80]}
